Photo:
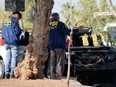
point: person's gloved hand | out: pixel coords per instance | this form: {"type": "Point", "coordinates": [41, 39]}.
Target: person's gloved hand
{"type": "Point", "coordinates": [89, 30]}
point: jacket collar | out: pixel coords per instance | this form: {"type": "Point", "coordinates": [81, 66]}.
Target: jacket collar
{"type": "Point", "coordinates": [13, 19]}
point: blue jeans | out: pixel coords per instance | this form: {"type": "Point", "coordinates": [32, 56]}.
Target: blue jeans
{"type": "Point", "coordinates": [11, 58]}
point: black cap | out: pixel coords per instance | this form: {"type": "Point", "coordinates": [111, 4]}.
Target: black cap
{"type": "Point", "coordinates": [17, 12]}
{"type": "Point", "coordinates": [55, 16]}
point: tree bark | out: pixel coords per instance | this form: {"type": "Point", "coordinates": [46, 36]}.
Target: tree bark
{"type": "Point", "coordinates": [36, 52]}
{"type": "Point", "coordinates": [110, 5]}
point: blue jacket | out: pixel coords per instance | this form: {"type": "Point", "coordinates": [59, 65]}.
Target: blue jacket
{"type": "Point", "coordinates": [57, 36]}
{"type": "Point", "coordinates": [11, 31]}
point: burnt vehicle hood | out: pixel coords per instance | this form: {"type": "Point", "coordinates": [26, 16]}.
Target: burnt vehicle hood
{"type": "Point", "coordinates": [93, 57]}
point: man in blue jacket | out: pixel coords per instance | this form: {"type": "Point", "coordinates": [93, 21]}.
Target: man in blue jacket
{"type": "Point", "coordinates": [10, 35]}
{"type": "Point", "coordinates": [57, 45]}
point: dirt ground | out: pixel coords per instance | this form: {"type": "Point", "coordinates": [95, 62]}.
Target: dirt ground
{"type": "Point", "coordinates": [38, 83]}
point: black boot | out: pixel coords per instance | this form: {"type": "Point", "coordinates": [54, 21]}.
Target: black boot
{"type": "Point", "coordinates": [7, 76]}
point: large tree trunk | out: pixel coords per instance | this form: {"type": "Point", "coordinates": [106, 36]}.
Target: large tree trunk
{"type": "Point", "coordinates": [36, 52]}
{"type": "Point", "coordinates": [109, 2]}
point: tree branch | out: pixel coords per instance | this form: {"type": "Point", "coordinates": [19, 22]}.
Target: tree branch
{"type": "Point", "coordinates": [111, 8]}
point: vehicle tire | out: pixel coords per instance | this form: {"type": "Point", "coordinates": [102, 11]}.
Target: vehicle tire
{"type": "Point", "coordinates": [2, 67]}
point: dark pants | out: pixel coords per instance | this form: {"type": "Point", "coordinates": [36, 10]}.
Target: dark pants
{"type": "Point", "coordinates": [57, 59]}
{"type": "Point", "coordinates": [46, 68]}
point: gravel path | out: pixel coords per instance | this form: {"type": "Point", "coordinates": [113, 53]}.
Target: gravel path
{"type": "Point", "coordinates": [38, 83]}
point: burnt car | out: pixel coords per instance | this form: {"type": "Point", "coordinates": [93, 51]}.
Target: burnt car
{"type": "Point", "coordinates": [92, 61]}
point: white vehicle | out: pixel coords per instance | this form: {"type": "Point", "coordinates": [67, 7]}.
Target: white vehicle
{"type": "Point", "coordinates": [2, 57]}
{"type": "Point", "coordinates": [2, 60]}
{"type": "Point", "coordinates": [110, 29]}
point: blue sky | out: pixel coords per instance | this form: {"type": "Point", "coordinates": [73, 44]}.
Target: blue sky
{"type": "Point", "coordinates": [58, 4]}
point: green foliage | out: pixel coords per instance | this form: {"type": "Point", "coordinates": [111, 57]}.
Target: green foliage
{"type": "Point", "coordinates": [67, 13]}
{"type": "Point", "coordinates": [103, 5]}
{"type": "Point", "coordinates": [28, 14]}
{"type": "Point", "coordinates": [83, 14]}
{"type": "Point", "coordinates": [88, 9]}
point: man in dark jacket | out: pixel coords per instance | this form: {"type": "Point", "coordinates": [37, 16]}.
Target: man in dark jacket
{"type": "Point", "coordinates": [10, 35]}
{"type": "Point", "coordinates": [57, 45]}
